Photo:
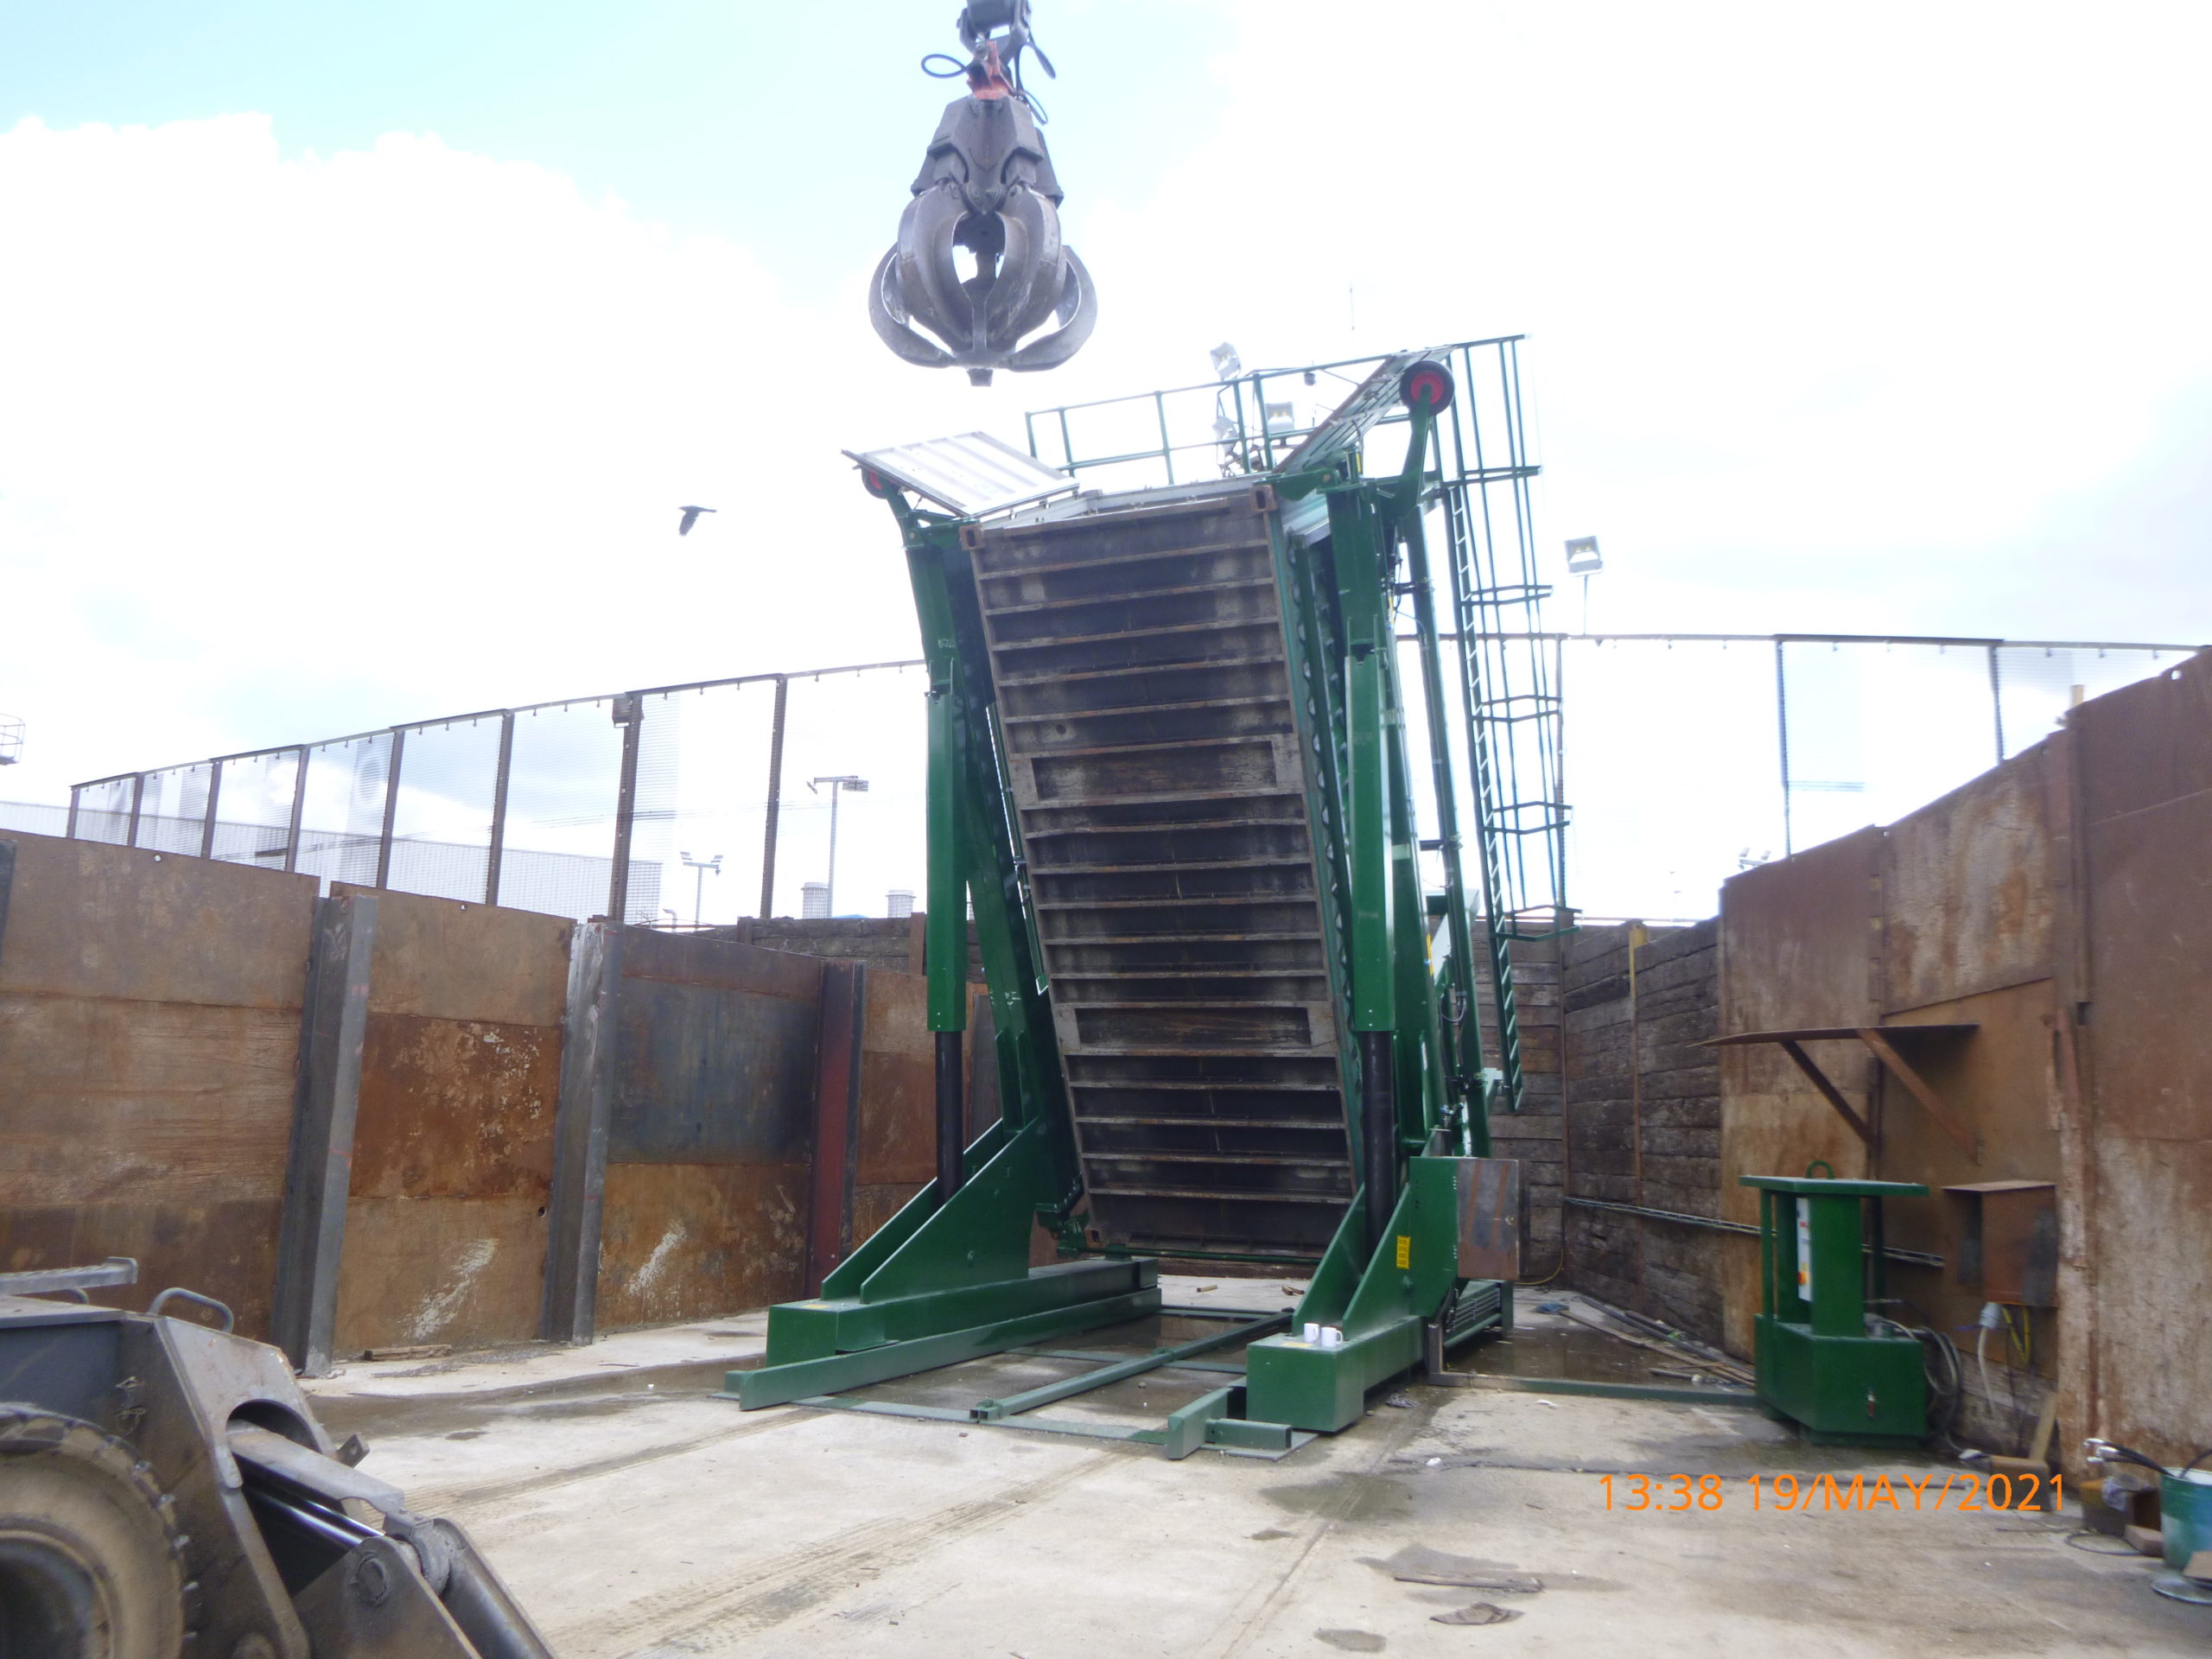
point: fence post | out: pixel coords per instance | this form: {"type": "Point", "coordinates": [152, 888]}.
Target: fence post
{"type": "Point", "coordinates": [299, 812]}
{"type": "Point", "coordinates": [76, 790]}
{"type": "Point", "coordinates": [214, 794]}
{"type": "Point", "coordinates": [138, 799]}
{"type": "Point", "coordinates": [392, 756]}
{"type": "Point", "coordinates": [630, 716]}
{"type": "Point", "coordinates": [775, 798]}
{"type": "Point", "coordinates": [1997, 702]}
{"type": "Point", "coordinates": [499, 848]}
{"type": "Point", "coordinates": [1782, 725]}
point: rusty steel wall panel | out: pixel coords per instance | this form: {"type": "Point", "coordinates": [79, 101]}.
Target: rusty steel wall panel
{"type": "Point", "coordinates": [1798, 942]}
{"type": "Point", "coordinates": [456, 1109]}
{"type": "Point", "coordinates": [691, 959]}
{"type": "Point", "coordinates": [1999, 1082]}
{"type": "Point", "coordinates": [1966, 890]}
{"type": "Point", "coordinates": [2151, 1276]}
{"type": "Point", "coordinates": [465, 1271]}
{"type": "Point", "coordinates": [141, 1102]}
{"type": "Point", "coordinates": [2151, 953]}
{"type": "Point", "coordinates": [119, 923]}
{"type": "Point", "coordinates": [898, 1142]}
{"type": "Point", "coordinates": [874, 1205]}
{"type": "Point", "coordinates": [453, 1136]}
{"type": "Point", "coordinates": [149, 1029]}
{"type": "Point", "coordinates": [694, 1241]}
{"type": "Point", "coordinates": [2146, 744]}
{"type": "Point", "coordinates": [2143, 1186]}
{"type": "Point", "coordinates": [706, 1075]}
{"type": "Point", "coordinates": [450, 959]}
{"type": "Point", "coordinates": [710, 1142]}
{"type": "Point", "coordinates": [225, 1248]}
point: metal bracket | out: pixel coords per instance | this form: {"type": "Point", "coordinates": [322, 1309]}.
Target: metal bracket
{"type": "Point", "coordinates": [116, 1270]}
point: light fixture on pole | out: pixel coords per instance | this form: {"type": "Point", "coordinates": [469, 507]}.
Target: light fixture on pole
{"type": "Point", "coordinates": [1584, 560]}
{"type": "Point", "coordinates": [846, 781]}
{"type": "Point", "coordinates": [705, 867]}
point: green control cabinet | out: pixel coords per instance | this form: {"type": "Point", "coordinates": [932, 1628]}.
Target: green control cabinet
{"type": "Point", "coordinates": [1843, 1377]}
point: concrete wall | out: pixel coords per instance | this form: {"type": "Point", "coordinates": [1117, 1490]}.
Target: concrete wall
{"type": "Point", "coordinates": [1643, 1120]}
{"type": "Point", "coordinates": [149, 1026]}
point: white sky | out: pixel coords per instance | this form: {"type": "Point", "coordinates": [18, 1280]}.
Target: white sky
{"type": "Point", "coordinates": [1877, 318]}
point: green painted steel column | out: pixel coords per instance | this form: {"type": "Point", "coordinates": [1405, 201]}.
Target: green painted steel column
{"type": "Point", "coordinates": [1374, 989]}
{"type": "Point", "coordinates": [945, 936]}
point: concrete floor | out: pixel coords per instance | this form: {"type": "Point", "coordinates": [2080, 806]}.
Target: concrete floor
{"type": "Point", "coordinates": [638, 1516]}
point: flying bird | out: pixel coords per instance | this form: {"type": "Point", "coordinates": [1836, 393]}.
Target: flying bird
{"type": "Point", "coordinates": [690, 518]}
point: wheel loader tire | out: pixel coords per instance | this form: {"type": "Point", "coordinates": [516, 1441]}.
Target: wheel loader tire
{"type": "Point", "coordinates": [90, 1559]}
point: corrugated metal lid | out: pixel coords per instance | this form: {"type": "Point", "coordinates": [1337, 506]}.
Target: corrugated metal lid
{"type": "Point", "coordinates": [973, 474]}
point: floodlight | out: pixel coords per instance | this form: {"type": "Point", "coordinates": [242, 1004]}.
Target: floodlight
{"type": "Point", "coordinates": [1583, 559]}
{"type": "Point", "coordinates": [1227, 365]}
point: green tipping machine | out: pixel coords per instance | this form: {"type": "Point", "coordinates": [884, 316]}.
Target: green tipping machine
{"type": "Point", "coordinates": [1168, 769]}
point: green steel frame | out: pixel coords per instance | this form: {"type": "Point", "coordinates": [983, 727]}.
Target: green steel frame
{"type": "Point", "coordinates": [949, 1278]}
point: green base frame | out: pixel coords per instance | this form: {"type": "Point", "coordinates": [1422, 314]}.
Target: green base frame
{"type": "Point", "coordinates": [1843, 1390]}
{"type": "Point", "coordinates": [1381, 1309]}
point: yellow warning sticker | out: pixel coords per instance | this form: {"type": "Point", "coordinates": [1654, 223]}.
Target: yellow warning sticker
{"type": "Point", "coordinates": [1405, 1250]}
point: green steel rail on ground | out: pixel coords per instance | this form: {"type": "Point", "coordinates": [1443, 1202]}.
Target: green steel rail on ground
{"type": "Point", "coordinates": [1427, 1244]}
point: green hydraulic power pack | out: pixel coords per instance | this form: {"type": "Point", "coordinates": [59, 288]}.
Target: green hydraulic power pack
{"type": "Point", "coordinates": [1846, 1374]}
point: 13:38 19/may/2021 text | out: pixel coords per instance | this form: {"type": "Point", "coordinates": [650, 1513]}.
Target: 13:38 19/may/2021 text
{"type": "Point", "coordinates": [1789, 1493]}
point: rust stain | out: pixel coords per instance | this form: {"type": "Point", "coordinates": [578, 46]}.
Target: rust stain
{"type": "Point", "coordinates": [695, 1240]}
{"type": "Point", "coordinates": [466, 1271]}
{"type": "Point", "coordinates": [456, 1109]}
{"type": "Point", "coordinates": [898, 1139]}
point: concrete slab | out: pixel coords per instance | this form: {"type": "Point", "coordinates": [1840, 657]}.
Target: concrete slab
{"type": "Point", "coordinates": [638, 1520]}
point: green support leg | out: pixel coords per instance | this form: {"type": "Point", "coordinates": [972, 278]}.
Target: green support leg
{"type": "Point", "coordinates": [1405, 1282]}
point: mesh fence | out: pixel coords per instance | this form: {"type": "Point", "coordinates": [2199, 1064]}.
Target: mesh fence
{"type": "Point", "coordinates": [563, 783]}
{"type": "Point", "coordinates": [1684, 760]}
{"type": "Point", "coordinates": [173, 808]}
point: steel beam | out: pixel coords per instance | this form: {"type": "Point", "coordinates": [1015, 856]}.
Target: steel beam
{"type": "Point", "coordinates": [319, 1168]}
{"type": "Point", "coordinates": [779, 1385]}
{"type": "Point", "coordinates": [991, 1411]}
{"type": "Point", "coordinates": [580, 1126]}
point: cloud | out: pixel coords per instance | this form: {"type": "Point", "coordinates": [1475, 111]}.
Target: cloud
{"type": "Point", "coordinates": [1884, 319]}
